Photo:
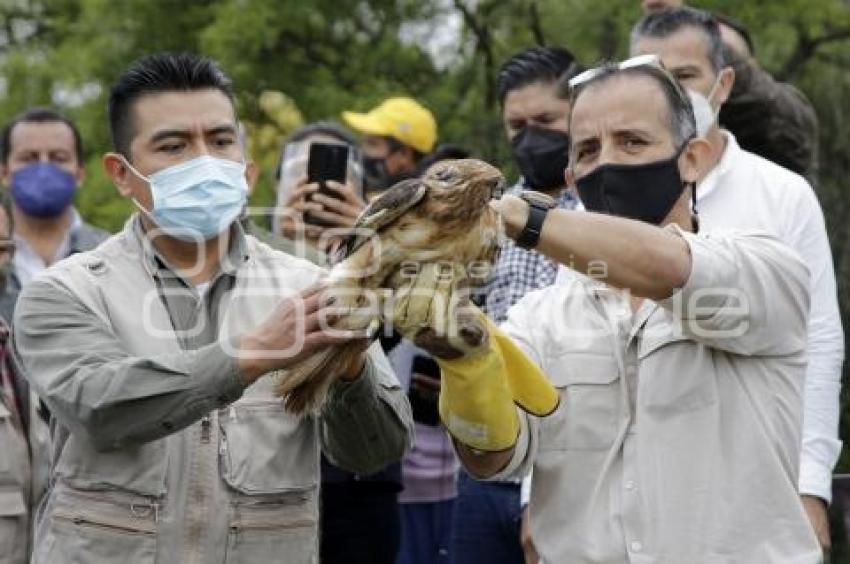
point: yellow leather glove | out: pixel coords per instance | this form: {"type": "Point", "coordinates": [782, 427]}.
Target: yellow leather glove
{"type": "Point", "coordinates": [484, 373]}
{"type": "Point", "coordinates": [478, 393]}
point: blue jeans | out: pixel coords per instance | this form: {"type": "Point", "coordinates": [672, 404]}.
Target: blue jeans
{"type": "Point", "coordinates": [425, 529]}
{"type": "Point", "coordinates": [486, 525]}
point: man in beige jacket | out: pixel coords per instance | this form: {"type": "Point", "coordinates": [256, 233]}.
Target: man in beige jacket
{"type": "Point", "coordinates": [23, 434]}
{"type": "Point", "coordinates": [157, 355]}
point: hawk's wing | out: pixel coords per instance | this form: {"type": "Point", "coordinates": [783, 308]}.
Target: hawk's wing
{"type": "Point", "coordinates": [381, 212]}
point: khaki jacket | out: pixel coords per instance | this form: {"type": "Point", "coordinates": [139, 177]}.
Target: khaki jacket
{"type": "Point", "coordinates": [160, 455]}
{"type": "Point", "coordinates": [23, 477]}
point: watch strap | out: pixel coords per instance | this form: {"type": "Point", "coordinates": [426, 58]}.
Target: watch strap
{"type": "Point", "coordinates": [530, 234]}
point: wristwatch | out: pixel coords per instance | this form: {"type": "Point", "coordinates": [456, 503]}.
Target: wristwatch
{"type": "Point", "coordinates": [539, 205]}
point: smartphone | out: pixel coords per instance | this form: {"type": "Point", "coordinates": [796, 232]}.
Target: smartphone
{"type": "Point", "coordinates": [326, 161]}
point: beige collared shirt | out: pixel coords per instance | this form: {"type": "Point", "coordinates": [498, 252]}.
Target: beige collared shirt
{"type": "Point", "coordinates": [678, 435]}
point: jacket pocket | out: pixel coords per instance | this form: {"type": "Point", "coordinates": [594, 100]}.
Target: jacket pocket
{"type": "Point", "coordinates": [678, 386]}
{"type": "Point", "coordinates": [587, 417]}
{"type": "Point", "coordinates": [273, 529]}
{"type": "Point", "coordinates": [140, 468]}
{"type": "Point", "coordinates": [14, 457]}
{"type": "Point", "coordinates": [13, 525]}
{"type": "Point", "coordinates": [78, 537]}
{"type": "Point", "coordinates": [265, 450]}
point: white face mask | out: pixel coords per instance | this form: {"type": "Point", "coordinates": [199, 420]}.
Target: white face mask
{"type": "Point", "coordinates": [704, 112]}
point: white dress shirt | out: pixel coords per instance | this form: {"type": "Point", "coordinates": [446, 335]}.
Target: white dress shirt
{"type": "Point", "coordinates": [745, 191]}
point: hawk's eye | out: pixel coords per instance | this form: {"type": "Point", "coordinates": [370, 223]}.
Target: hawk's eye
{"type": "Point", "coordinates": [445, 175]}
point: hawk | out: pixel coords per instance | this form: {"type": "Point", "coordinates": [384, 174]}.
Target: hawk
{"type": "Point", "coordinates": [415, 253]}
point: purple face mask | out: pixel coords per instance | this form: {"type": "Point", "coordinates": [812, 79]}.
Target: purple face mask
{"type": "Point", "coordinates": [43, 190]}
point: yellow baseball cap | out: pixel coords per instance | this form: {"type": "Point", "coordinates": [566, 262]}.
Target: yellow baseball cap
{"type": "Point", "coordinates": [404, 119]}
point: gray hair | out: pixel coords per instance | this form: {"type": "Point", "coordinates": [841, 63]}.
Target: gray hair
{"type": "Point", "coordinates": [665, 23]}
{"type": "Point", "coordinates": [681, 120]}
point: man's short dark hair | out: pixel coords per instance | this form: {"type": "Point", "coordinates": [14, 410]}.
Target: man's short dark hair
{"type": "Point", "coordinates": [38, 115]}
{"type": "Point", "coordinates": [682, 123]}
{"type": "Point", "coordinates": [740, 29]}
{"type": "Point", "coordinates": [667, 22]}
{"type": "Point", "coordinates": [160, 72]}
{"type": "Point", "coordinates": [536, 64]}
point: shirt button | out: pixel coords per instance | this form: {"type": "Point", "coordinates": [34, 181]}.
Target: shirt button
{"type": "Point", "coordinates": [630, 485]}
{"type": "Point", "coordinates": [636, 546]}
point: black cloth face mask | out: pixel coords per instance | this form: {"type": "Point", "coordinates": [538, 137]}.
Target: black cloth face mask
{"type": "Point", "coordinates": [645, 192]}
{"type": "Point", "coordinates": [542, 155]}
{"type": "Point", "coordinates": [375, 172]}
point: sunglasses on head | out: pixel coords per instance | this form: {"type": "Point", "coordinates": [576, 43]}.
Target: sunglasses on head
{"type": "Point", "coordinates": [639, 61]}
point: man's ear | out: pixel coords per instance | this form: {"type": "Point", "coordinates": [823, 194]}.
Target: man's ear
{"type": "Point", "coordinates": [252, 175]}
{"type": "Point", "coordinates": [695, 161]}
{"type": "Point", "coordinates": [724, 87]}
{"type": "Point", "coordinates": [121, 175]}
{"type": "Point", "coordinates": [81, 175]}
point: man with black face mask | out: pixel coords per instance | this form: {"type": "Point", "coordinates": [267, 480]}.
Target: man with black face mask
{"type": "Point", "coordinates": [397, 134]}
{"type": "Point", "coordinates": [535, 113]}
{"type": "Point", "coordinates": [679, 356]}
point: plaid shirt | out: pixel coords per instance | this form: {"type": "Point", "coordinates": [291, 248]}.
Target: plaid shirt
{"type": "Point", "coordinates": [519, 271]}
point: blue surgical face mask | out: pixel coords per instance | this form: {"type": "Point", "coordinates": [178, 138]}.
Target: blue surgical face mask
{"type": "Point", "coordinates": [43, 190]}
{"type": "Point", "coordinates": [198, 199]}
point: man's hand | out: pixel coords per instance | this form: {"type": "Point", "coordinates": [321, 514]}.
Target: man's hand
{"type": "Point", "coordinates": [292, 222]}
{"type": "Point", "coordinates": [339, 212]}
{"type": "Point", "coordinates": [514, 212]}
{"type": "Point", "coordinates": [816, 511]}
{"type": "Point", "coordinates": [528, 548]}
{"type": "Point", "coordinates": [297, 327]}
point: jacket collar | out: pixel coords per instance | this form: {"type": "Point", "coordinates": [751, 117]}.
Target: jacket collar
{"type": "Point", "coordinates": [156, 264]}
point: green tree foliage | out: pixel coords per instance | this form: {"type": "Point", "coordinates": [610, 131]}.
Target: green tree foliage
{"type": "Point", "coordinates": [331, 55]}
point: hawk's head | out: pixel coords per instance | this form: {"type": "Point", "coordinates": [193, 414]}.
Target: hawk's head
{"type": "Point", "coordinates": [462, 188]}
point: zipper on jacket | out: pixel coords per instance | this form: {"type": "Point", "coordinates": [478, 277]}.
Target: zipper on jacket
{"type": "Point", "coordinates": [206, 429]}
{"type": "Point", "coordinates": [82, 521]}
{"type": "Point", "coordinates": [142, 510]}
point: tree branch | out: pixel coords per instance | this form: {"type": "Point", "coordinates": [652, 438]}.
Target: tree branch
{"type": "Point", "coordinates": [807, 47]}
{"type": "Point", "coordinates": [535, 25]}
{"type": "Point", "coordinates": [483, 44]}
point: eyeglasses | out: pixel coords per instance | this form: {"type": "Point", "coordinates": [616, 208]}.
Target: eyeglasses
{"type": "Point", "coordinates": [650, 60]}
